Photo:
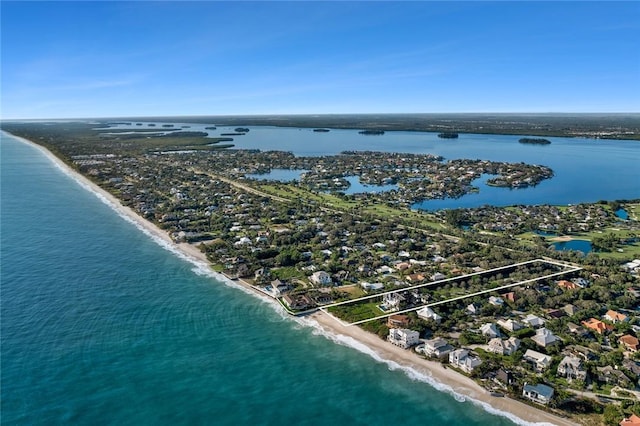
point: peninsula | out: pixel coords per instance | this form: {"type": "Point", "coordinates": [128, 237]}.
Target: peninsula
{"type": "Point", "coordinates": [475, 290]}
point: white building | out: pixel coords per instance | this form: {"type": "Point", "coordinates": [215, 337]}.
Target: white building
{"type": "Point", "coordinates": [427, 313]}
{"type": "Point", "coordinates": [489, 330]}
{"type": "Point", "coordinates": [437, 347]}
{"type": "Point", "coordinates": [503, 347]}
{"type": "Point", "coordinates": [321, 278]}
{"type": "Point", "coordinates": [462, 359]}
{"type": "Point", "coordinates": [571, 367]}
{"type": "Point", "coordinates": [540, 361]}
{"type": "Point", "coordinates": [544, 337]}
{"type": "Point", "coordinates": [403, 337]}
{"type": "Point", "coordinates": [510, 325]}
{"type": "Point", "coordinates": [541, 394]}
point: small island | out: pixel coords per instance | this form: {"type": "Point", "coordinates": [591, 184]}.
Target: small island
{"type": "Point", "coordinates": [535, 141]}
{"type": "Point", "coordinates": [242, 129]}
{"type": "Point", "coordinates": [371, 132]}
{"type": "Point", "coordinates": [210, 128]}
{"type": "Point", "coordinates": [448, 135]}
{"type": "Point", "coordinates": [321, 130]}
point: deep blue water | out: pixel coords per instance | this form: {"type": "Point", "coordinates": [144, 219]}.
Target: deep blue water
{"type": "Point", "coordinates": [102, 325]}
{"type": "Point", "coordinates": [577, 245]}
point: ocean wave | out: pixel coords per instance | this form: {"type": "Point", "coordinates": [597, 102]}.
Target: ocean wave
{"type": "Point", "coordinates": [411, 373]}
{"type": "Point", "coordinates": [202, 268]}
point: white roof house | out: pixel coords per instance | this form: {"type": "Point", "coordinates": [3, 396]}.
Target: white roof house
{"type": "Point", "coordinates": [571, 367]}
{"type": "Point", "coordinates": [539, 361]}
{"type": "Point", "coordinates": [503, 347]}
{"type": "Point", "coordinates": [544, 337]}
{"type": "Point", "coordinates": [533, 321]}
{"type": "Point", "coordinates": [437, 347]}
{"type": "Point", "coordinates": [403, 337]}
{"type": "Point", "coordinates": [427, 313]}
{"type": "Point", "coordinates": [462, 359]}
{"type": "Point", "coordinates": [509, 325]}
{"type": "Point", "coordinates": [489, 330]}
{"type": "Point", "coordinates": [321, 278]}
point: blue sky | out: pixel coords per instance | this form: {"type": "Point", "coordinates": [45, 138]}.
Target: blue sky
{"type": "Point", "coordinates": [108, 59]}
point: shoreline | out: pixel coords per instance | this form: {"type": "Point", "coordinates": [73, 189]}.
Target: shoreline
{"type": "Point", "coordinates": [450, 380]}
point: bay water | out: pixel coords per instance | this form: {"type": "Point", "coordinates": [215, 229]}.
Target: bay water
{"type": "Point", "coordinates": [102, 324]}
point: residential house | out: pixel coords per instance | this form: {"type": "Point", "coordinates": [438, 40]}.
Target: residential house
{"type": "Point", "coordinates": [597, 325]}
{"type": "Point", "coordinates": [576, 329]}
{"type": "Point", "coordinates": [438, 276]}
{"type": "Point", "coordinates": [403, 337]}
{"type": "Point", "coordinates": [534, 321]}
{"type": "Point", "coordinates": [630, 342]}
{"type": "Point", "coordinates": [397, 321]}
{"type": "Point", "coordinates": [503, 347]}
{"type": "Point", "coordinates": [611, 376]}
{"type": "Point", "coordinates": [572, 368]}
{"type": "Point", "coordinates": [427, 313]}
{"type": "Point", "coordinates": [372, 286]}
{"type": "Point", "coordinates": [297, 303]}
{"type": "Point", "coordinates": [567, 285]}
{"type": "Point", "coordinates": [569, 309]}
{"type": "Point", "coordinates": [615, 317]}
{"type": "Point", "coordinates": [504, 376]}
{"type": "Point", "coordinates": [321, 278]}
{"type": "Point", "coordinates": [632, 420]}
{"type": "Point", "coordinates": [510, 325]}
{"type": "Point", "coordinates": [437, 347]}
{"type": "Point", "coordinates": [415, 278]}
{"type": "Point", "coordinates": [581, 282]}
{"type": "Point", "coordinates": [489, 330]}
{"type": "Point", "coordinates": [541, 394]}
{"type": "Point", "coordinates": [544, 338]}
{"type": "Point", "coordinates": [496, 301]}
{"type": "Point", "coordinates": [555, 313]}
{"type": "Point", "coordinates": [540, 362]}
{"type": "Point", "coordinates": [392, 301]}
{"type": "Point", "coordinates": [510, 296]}
{"type": "Point", "coordinates": [472, 309]}
{"type": "Point", "coordinates": [278, 288]}
{"type": "Point", "coordinates": [462, 359]}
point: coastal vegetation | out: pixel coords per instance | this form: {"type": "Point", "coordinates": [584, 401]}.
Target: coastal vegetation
{"type": "Point", "coordinates": [535, 141]}
{"type": "Point", "coordinates": [485, 273]}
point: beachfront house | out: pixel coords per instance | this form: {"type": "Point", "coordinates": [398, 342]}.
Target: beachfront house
{"type": "Point", "coordinates": [541, 394]}
{"type": "Point", "coordinates": [437, 347]}
{"type": "Point", "coordinates": [403, 337]}
{"type": "Point", "coordinates": [462, 359]}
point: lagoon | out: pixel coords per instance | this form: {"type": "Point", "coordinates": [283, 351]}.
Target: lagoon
{"type": "Point", "coordinates": [585, 170]}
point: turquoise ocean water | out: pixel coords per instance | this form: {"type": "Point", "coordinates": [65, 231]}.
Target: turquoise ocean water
{"type": "Point", "coordinates": [100, 324]}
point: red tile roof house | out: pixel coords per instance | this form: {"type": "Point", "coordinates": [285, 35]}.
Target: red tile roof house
{"type": "Point", "coordinates": [615, 317]}
{"type": "Point", "coordinates": [633, 420]}
{"type": "Point", "coordinates": [597, 325]}
{"type": "Point", "coordinates": [630, 342]}
{"type": "Point", "coordinates": [567, 285]}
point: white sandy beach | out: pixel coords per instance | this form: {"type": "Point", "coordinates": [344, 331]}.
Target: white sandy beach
{"type": "Point", "coordinates": [406, 358]}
